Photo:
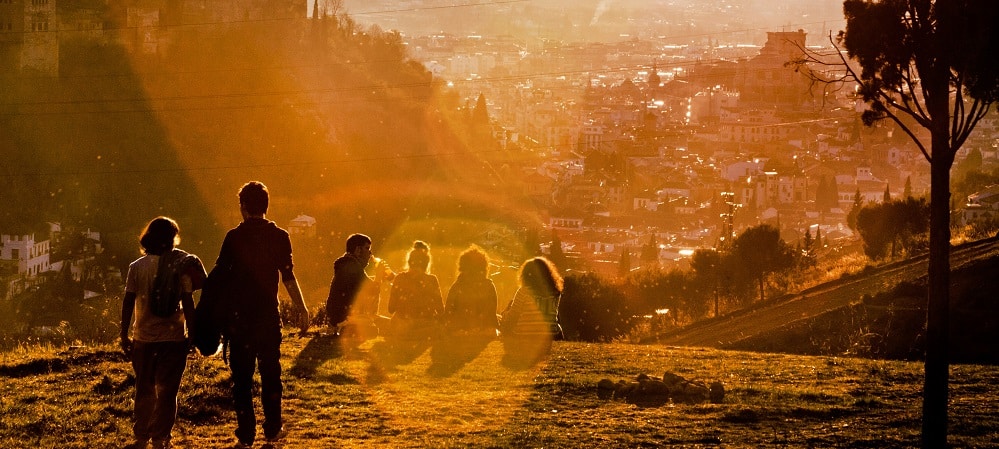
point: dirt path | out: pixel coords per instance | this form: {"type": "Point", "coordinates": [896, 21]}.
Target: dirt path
{"type": "Point", "coordinates": [768, 316]}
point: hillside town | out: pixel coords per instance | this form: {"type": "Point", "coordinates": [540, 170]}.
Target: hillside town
{"type": "Point", "coordinates": [640, 142]}
{"type": "Point", "coordinates": [682, 146]}
{"type": "Point", "coordinates": [412, 223]}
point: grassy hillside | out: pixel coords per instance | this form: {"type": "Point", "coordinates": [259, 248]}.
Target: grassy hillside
{"type": "Point", "coordinates": [369, 395]}
{"type": "Point", "coordinates": [337, 122]}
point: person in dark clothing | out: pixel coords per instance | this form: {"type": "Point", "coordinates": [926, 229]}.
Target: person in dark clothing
{"type": "Point", "coordinates": [415, 301]}
{"type": "Point", "coordinates": [352, 291]}
{"type": "Point", "coordinates": [471, 301]}
{"type": "Point", "coordinates": [256, 253]}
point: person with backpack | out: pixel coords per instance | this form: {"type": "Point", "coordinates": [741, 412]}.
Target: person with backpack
{"type": "Point", "coordinates": [256, 255]}
{"type": "Point", "coordinates": [158, 295]}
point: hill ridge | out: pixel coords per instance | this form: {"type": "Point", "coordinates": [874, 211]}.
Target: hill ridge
{"type": "Point", "coordinates": [765, 319]}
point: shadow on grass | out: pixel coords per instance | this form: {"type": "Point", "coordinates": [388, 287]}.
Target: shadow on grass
{"type": "Point", "coordinates": [320, 349]}
{"type": "Point", "coordinates": [207, 402]}
{"type": "Point", "coordinates": [449, 356]}
{"type": "Point", "coordinates": [521, 354]}
{"type": "Point", "coordinates": [391, 353]}
{"type": "Point", "coordinates": [65, 361]}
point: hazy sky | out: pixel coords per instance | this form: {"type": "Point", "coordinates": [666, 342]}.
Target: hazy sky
{"type": "Point", "coordinates": [603, 20]}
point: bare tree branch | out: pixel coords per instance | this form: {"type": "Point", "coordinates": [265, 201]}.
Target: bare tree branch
{"type": "Point", "coordinates": [902, 102]}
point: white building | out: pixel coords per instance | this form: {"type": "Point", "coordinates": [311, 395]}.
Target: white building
{"type": "Point", "coordinates": [983, 205]}
{"type": "Point", "coordinates": [30, 256]}
{"type": "Point", "coordinates": [303, 225]}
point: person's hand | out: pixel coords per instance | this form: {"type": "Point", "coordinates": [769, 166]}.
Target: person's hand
{"type": "Point", "coordinates": [304, 320]}
{"type": "Point", "coordinates": [126, 346]}
{"type": "Point", "coordinates": [383, 272]}
{"type": "Point", "coordinates": [191, 347]}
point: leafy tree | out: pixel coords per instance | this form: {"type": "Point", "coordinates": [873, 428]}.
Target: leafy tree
{"type": "Point", "coordinates": [654, 289]}
{"type": "Point", "coordinates": [887, 227]}
{"type": "Point", "coordinates": [875, 229]}
{"type": "Point", "coordinates": [971, 162]}
{"type": "Point", "coordinates": [593, 309]}
{"type": "Point", "coordinates": [759, 252]}
{"type": "Point", "coordinates": [931, 64]}
{"type": "Point", "coordinates": [974, 181]}
{"type": "Point", "coordinates": [707, 265]}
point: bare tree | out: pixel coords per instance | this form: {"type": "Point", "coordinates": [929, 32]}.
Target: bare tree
{"type": "Point", "coordinates": [331, 8]}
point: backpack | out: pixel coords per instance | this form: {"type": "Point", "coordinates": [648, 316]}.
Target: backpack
{"type": "Point", "coordinates": [214, 313]}
{"type": "Point", "coordinates": [164, 297]}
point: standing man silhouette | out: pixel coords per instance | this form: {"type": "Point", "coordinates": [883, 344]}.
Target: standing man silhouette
{"type": "Point", "coordinates": [256, 252]}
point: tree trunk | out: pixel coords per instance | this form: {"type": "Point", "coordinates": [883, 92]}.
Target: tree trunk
{"type": "Point", "coordinates": [937, 362]}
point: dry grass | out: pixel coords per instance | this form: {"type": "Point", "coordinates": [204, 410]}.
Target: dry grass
{"type": "Point", "coordinates": [371, 395]}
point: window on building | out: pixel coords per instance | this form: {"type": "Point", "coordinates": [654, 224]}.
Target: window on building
{"type": "Point", "coordinates": [15, 254]}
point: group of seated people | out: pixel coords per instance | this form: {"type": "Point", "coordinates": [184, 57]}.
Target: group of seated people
{"type": "Point", "coordinates": [418, 310]}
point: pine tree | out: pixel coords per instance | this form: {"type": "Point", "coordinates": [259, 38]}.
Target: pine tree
{"type": "Point", "coordinates": [650, 253]}
{"type": "Point", "coordinates": [907, 193]}
{"type": "Point", "coordinates": [807, 249]}
{"type": "Point", "coordinates": [851, 217]}
{"type": "Point", "coordinates": [480, 115]}
{"type": "Point", "coordinates": [624, 265]}
{"type": "Point", "coordinates": [826, 195]}
{"type": "Point", "coordinates": [555, 253]}
{"type": "Point", "coordinates": [820, 194]}
{"type": "Point", "coordinates": [887, 198]}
